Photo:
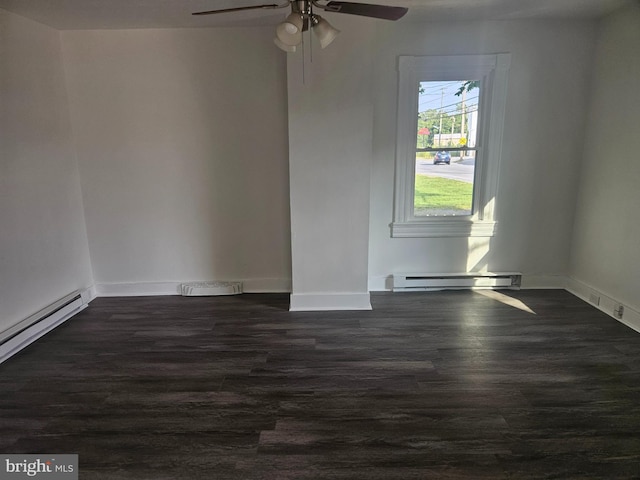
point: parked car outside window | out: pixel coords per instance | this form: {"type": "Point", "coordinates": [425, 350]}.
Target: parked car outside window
{"type": "Point", "coordinates": [442, 157]}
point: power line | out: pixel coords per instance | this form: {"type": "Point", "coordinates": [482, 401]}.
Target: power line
{"type": "Point", "coordinates": [453, 113]}
{"type": "Point", "coordinates": [467, 102]}
{"type": "Point", "coordinates": [447, 85]}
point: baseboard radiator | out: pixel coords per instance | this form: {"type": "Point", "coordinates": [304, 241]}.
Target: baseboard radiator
{"type": "Point", "coordinates": [414, 282]}
{"type": "Point", "coordinates": [24, 333]}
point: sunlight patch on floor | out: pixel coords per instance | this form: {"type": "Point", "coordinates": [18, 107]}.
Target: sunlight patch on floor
{"type": "Point", "coordinates": [506, 299]}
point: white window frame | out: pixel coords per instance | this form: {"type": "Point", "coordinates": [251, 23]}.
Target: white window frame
{"type": "Point", "coordinates": [492, 71]}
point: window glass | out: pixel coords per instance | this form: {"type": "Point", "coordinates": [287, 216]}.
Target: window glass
{"type": "Point", "coordinates": [446, 136]}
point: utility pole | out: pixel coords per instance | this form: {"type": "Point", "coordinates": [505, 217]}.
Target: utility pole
{"type": "Point", "coordinates": [440, 129]}
{"type": "Point", "coordinates": [464, 96]}
{"type": "Point", "coordinates": [453, 125]}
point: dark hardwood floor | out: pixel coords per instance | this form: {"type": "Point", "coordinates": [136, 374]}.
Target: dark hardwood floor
{"type": "Point", "coordinates": [447, 385]}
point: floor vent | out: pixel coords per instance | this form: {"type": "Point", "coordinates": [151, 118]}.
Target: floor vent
{"type": "Point", "coordinates": [201, 289]}
{"type": "Point", "coordinates": [414, 282]}
{"type": "Point", "coordinates": [31, 329]}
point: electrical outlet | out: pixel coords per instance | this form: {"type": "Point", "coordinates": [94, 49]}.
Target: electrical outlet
{"type": "Point", "coordinates": [594, 299]}
{"type": "Point", "coordinates": [618, 312]}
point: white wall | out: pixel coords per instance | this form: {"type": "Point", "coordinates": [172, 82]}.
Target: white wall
{"type": "Point", "coordinates": [541, 156]}
{"type": "Point", "coordinates": [330, 128]}
{"type": "Point", "coordinates": [181, 137]}
{"type": "Point", "coordinates": [173, 192]}
{"type": "Point", "coordinates": [43, 242]}
{"type": "Point", "coordinates": [606, 241]}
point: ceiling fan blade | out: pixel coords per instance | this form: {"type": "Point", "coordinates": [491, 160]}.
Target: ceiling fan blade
{"type": "Point", "coordinates": [238, 9]}
{"type": "Point", "coordinates": [366, 10]}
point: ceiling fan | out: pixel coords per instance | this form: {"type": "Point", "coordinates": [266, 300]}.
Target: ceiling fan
{"type": "Point", "coordinates": [301, 18]}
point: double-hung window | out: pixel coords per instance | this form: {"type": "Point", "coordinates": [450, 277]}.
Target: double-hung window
{"type": "Point", "coordinates": [449, 137]}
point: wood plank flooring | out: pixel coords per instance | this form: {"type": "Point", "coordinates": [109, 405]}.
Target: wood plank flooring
{"type": "Point", "coordinates": [446, 385]}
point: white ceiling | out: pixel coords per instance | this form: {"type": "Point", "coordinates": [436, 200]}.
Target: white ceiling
{"type": "Point", "coordinates": [115, 14]}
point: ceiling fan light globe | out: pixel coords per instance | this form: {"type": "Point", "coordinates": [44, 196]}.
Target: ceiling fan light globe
{"type": "Point", "coordinates": [293, 23]}
{"type": "Point", "coordinates": [325, 32]}
{"type": "Point", "coordinates": [282, 46]}
{"type": "Point", "coordinates": [290, 39]}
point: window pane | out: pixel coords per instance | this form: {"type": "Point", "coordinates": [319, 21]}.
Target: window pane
{"type": "Point", "coordinates": [447, 125]}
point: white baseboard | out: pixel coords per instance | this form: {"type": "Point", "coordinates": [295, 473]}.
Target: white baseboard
{"type": "Point", "coordinates": [137, 289]}
{"type": "Point", "coordinates": [143, 289]}
{"type": "Point", "coordinates": [605, 303]}
{"type": "Point", "coordinates": [311, 302]}
{"type": "Point", "coordinates": [266, 285]}
{"type": "Point", "coordinates": [89, 294]}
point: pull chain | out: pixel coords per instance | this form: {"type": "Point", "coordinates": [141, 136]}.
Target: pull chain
{"type": "Point", "coordinates": [303, 61]}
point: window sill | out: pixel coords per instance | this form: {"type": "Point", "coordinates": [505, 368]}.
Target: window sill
{"type": "Point", "coordinates": [443, 228]}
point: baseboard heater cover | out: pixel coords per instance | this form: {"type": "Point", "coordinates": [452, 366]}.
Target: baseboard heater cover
{"type": "Point", "coordinates": [414, 282]}
{"type": "Point", "coordinates": [201, 289]}
{"type": "Point", "coordinates": [23, 334]}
